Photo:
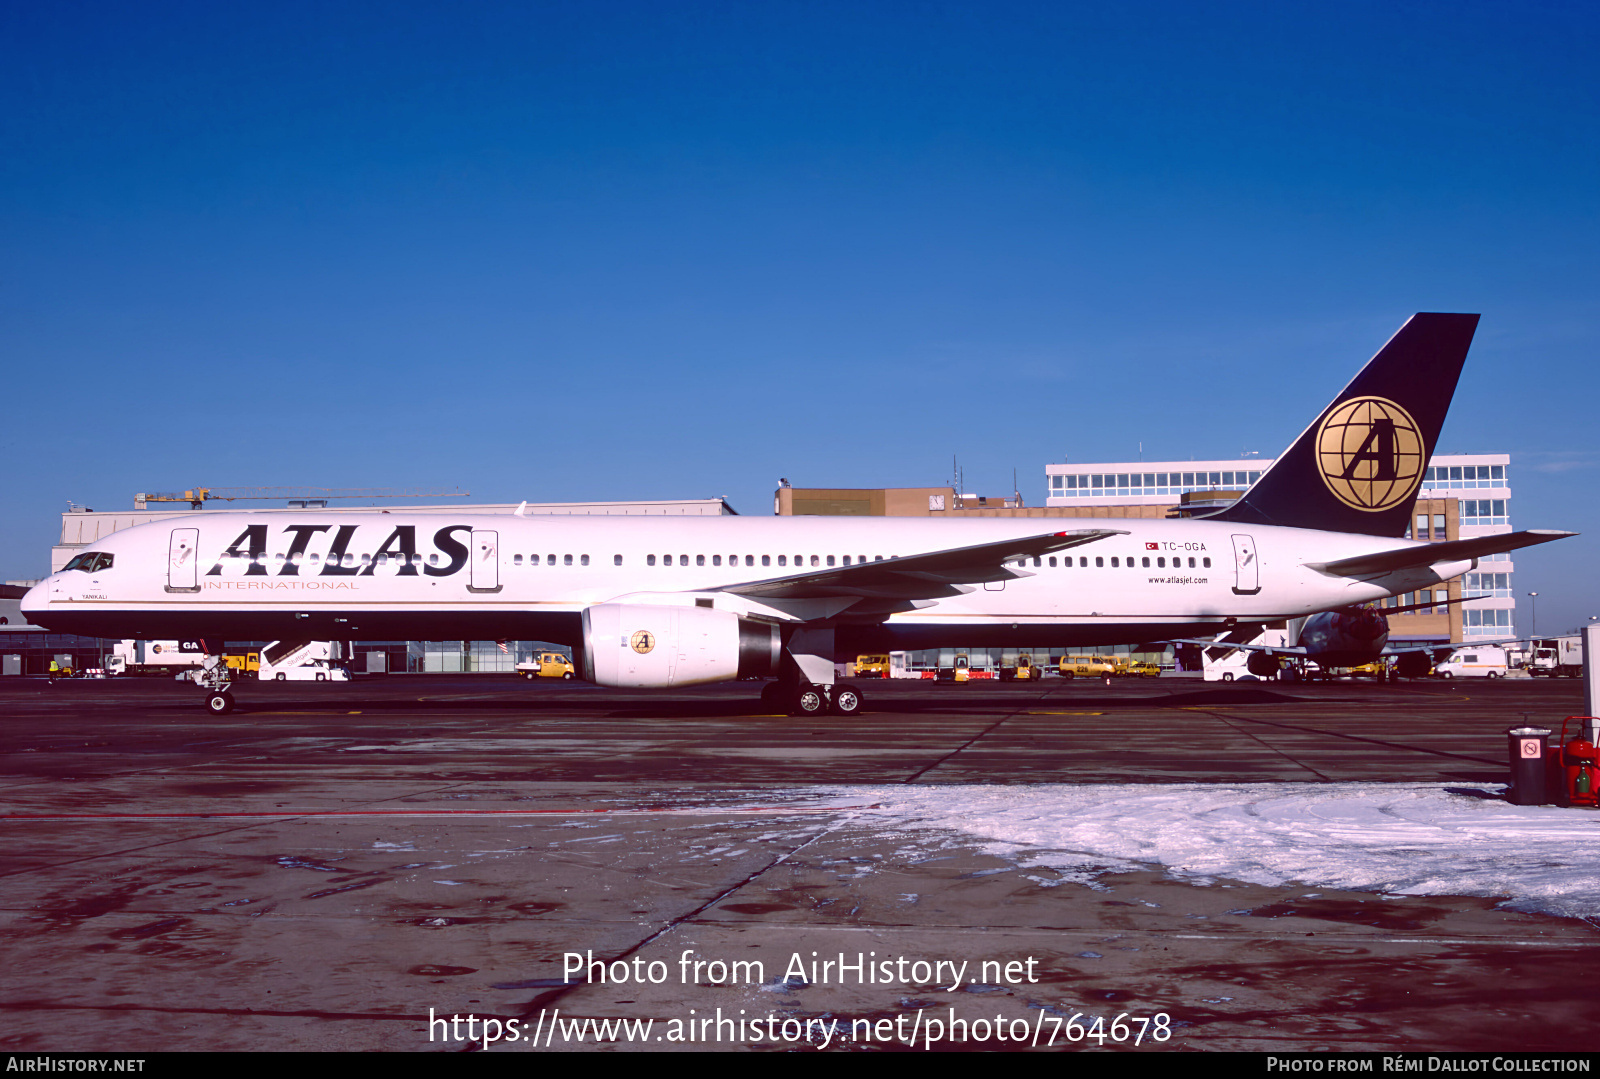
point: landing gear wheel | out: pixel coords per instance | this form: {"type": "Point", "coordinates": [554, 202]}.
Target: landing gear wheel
{"type": "Point", "coordinates": [219, 704]}
{"type": "Point", "coordinates": [809, 701]}
{"type": "Point", "coordinates": [846, 701]}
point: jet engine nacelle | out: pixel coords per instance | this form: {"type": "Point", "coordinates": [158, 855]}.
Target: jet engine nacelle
{"type": "Point", "coordinates": [654, 646]}
{"type": "Point", "coordinates": [1345, 638]}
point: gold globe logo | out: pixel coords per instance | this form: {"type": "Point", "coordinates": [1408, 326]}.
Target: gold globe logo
{"type": "Point", "coordinates": [642, 641]}
{"type": "Point", "coordinates": [1370, 454]}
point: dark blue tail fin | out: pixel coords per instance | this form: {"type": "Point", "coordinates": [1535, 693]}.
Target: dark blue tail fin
{"type": "Point", "coordinates": [1358, 467]}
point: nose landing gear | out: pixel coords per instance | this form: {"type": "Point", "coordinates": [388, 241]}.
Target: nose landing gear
{"type": "Point", "coordinates": [216, 679]}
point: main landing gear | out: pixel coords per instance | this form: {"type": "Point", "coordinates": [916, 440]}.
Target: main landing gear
{"type": "Point", "coordinates": [810, 700]}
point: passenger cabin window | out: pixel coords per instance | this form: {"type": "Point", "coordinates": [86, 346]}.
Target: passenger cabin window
{"type": "Point", "coordinates": [783, 560]}
{"type": "Point", "coordinates": [583, 560]}
{"type": "Point", "coordinates": [649, 560]}
{"type": "Point", "coordinates": [683, 560]}
{"type": "Point", "coordinates": [549, 559]}
{"type": "Point", "coordinates": [616, 560]}
{"type": "Point", "coordinates": [699, 559]}
{"type": "Point", "coordinates": [566, 560]}
{"type": "Point", "coordinates": [516, 560]}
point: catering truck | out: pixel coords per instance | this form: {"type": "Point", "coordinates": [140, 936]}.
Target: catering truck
{"type": "Point", "coordinates": [1556, 657]}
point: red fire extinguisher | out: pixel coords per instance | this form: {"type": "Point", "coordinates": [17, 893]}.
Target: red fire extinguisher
{"type": "Point", "coordinates": [1580, 763]}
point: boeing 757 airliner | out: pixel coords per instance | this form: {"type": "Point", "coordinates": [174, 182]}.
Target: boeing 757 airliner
{"type": "Point", "coordinates": [660, 603]}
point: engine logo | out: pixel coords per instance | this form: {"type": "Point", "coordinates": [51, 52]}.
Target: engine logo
{"type": "Point", "coordinates": [1370, 454]}
{"type": "Point", "coordinates": [642, 641]}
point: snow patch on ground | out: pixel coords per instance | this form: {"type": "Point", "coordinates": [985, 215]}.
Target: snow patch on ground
{"type": "Point", "coordinates": [1437, 839]}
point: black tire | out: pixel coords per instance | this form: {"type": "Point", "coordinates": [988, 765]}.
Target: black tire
{"type": "Point", "coordinates": [280, 676]}
{"type": "Point", "coordinates": [1227, 676]}
{"type": "Point", "coordinates": [1494, 674]}
{"type": "Point", "coordinates": [808, 701]}
{"type": "Point", "coordinates": [846, 701]}
{"type": "Point", "coordinates": [567, 677]}
{"type": "Point", "coordinates": [322, 678]}
{"type": "Point", "coordinates": [1068, 675]}
{"type": "Point", "coordinates": [219, 704]}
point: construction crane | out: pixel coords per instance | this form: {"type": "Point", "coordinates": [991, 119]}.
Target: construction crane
{"type": "Point", "coordinates": [301, 497]}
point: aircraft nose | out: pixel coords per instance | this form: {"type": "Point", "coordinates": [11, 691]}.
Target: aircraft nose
{"type": "Point", "coordinates": [35, 598]}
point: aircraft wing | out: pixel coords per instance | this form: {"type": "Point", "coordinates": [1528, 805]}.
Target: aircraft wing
{"type": "Point", "coordinates": [922, 576]}
{"type": "Point", "coordinates": [1426, 554]}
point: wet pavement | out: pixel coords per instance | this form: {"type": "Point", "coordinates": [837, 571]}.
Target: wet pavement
{"type": "Point", "coordinates": [348, 867]}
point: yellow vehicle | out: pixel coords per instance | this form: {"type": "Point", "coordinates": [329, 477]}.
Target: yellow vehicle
{"type": "Point", "coordinates": [246, 663]}
{"type": "Point", "coordinates": [1142, 670]}
{"type": "Point", "coordinates": [872, 666]}
{"type": "Point", "coordinates": [1087, 667]}
{"type": "Point", "coordinates": [959, 671]}
{"type": "Point", "coordinates": [1024, 671]}
{"type": "Point", "coordinates": [547, 665]}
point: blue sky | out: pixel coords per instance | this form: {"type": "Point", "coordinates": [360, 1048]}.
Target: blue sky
{"type": "Point", "coordinates": [612, 251]}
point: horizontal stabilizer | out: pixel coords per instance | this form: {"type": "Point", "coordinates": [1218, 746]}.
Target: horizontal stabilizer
{"type": "Point", "coordinates": [1426, 554]}
{"type": "Point", "coordinates": [922, 576]}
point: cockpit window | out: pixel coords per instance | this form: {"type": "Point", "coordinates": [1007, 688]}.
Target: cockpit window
{"type": "Point", "coordinates": [89, 562]}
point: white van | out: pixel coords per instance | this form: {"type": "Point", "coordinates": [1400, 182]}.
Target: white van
{"type": "Point", "coordinates": [1474, 661]}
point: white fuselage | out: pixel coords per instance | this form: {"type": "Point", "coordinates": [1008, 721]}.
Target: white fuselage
{"type": "Point", "coordinates": [332, 575]}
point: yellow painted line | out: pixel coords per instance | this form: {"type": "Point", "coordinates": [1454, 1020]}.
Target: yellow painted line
{"type": "Point", "coordinates": [1064, 713]}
